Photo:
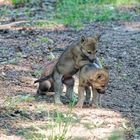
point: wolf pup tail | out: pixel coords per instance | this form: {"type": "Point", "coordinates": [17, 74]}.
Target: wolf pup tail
{"type": "Point", "coordinates": [43, 79]}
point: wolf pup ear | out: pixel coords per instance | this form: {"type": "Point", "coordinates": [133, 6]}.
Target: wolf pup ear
{"type": "Point", "coordinates": [83, 39]}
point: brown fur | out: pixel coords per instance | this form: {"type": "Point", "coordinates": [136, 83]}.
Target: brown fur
{"type": "Point", "coordinates": [47, 87]}
{"type": "Point", "coordinates": [72, 59]}
{"type": "Point", "coordinates": [96, 78]}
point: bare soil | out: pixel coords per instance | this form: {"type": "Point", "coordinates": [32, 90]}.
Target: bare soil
{"type": "Point", "coordinates": [23, 53]}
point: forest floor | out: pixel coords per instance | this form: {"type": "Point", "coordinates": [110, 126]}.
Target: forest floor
{"type": "Point", "coordinates": [24, 50]}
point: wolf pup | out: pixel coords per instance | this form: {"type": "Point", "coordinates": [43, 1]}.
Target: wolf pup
{"type": "Point", "coordinates": [72, 59]}
{"type": "Point", "coordinates": [47, 87]}
{"type": "Point", "coordinates": [91, 75]}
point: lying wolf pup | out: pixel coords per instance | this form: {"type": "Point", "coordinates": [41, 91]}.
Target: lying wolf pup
{"type": "Point", "coordinates": [72, 59]}
{"type": "Point", "coordinates": [91, 75]}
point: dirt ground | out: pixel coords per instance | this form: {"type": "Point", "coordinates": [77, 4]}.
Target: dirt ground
{"type": "Point", "coordinates": [23, 53]}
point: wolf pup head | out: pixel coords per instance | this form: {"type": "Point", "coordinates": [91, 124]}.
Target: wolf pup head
{"type": "Point", "coordinates": [89, 47]}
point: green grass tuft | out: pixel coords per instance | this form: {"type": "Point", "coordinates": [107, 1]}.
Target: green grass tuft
{"type": "Point", "coordinates": [32, 133]}
{"type": "Point", "coordinates": [116, 135]}
{"type": "Point", "coordinates": [77, 12]}
{"type": "Point", "coordinates": [20, 2]}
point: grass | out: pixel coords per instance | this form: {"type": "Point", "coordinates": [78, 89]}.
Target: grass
{"type": "Point", "coordinates": [56, 126]}
{"type": "Point", "coordinates": [63, 123]}
{"type": "Point", "coordinates": [15, 60]}
{"type": "Point", "coordinates": [116, 135]}
{"type": "Point", "coordinates": [36, 73]}
{"type": "Point", "coordinates": [41, 40]}
{"type": "Point", "coordinates": [94, 125]}
{"type": "Point", "coordinates": [45, 24]}
{"type": "Point", "coordinates": [13, 102]}
{"type": "Point", "coordinates": [115, 2]}
{"type": "Point", "coordinates": [32, 133]}
{"type": "Point", "coordinates": [19, 2]}
{"type": "Point", "coordinates": [119, 65]}
{"type": "Point", "coordinates": [119, 134]}
{"type": "Point", "coordinates": [73, 12]}
{"type": "Point", "coordinates": [77, 12]}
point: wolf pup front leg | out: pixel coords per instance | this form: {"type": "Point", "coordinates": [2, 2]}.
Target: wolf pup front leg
{"type": "Point", "coordinates": [81, 96]}
{"type": "Point", "coordinates": [96, 98]}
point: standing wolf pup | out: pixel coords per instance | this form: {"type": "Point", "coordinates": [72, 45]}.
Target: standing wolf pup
{"type": "Point", "coordinates": [91, 75]}
{"type": "Point", "coordinates": [72, 59]}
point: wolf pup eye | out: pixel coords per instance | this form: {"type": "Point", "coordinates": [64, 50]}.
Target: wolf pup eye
{"type": "Point", "coordinates": [103, 86]}
{"type": "Point", "coordinates": [99, 77]}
